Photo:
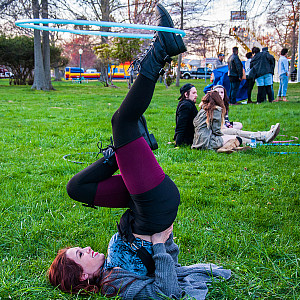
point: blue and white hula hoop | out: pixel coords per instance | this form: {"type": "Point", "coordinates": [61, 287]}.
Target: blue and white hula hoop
{"type": "Point", "coordinates": [33, 23]}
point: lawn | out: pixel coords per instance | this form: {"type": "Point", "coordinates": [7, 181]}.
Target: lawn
{"type": "Point", "coordinates": [240, 210]}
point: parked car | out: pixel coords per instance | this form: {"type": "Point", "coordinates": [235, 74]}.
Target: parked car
{"type": "Point", "coordinates": [200, 73]}
{"type": "Point", "coordinates": [8, 75]}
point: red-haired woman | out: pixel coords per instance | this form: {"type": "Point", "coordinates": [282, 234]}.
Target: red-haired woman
{"type": "Point", "coordinates": [208, 124]}
{"type": "Point", "coordinates": [141, 261]}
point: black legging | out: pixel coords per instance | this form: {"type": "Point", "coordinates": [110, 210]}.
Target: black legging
{"type": "Point", "coordinates": [83, 186]}
{"type": "Point", "coordinates": [125, 119]}
{"type": "Point", "coordinates": [152, 196]}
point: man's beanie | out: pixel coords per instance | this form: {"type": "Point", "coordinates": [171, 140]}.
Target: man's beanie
{"type": "Point", "coordinates": [185, 88]}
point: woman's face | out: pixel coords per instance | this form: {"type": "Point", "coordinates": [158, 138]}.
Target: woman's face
{"type": "Point", "coordinates": [221, 92]}
{"type": "Point", "coordinates": [90, 261]}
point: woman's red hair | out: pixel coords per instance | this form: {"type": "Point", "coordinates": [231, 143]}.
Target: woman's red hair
{"type": "Point", "coordinates": [209, 103]}
{"type": "Point", "coordinates": [65, 274]}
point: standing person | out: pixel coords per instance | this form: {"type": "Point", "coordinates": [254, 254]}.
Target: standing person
{"type": "Point", "coordinates": [153, 198]}
{"type": "Point", "coordinates": [235, 74]}
{"type": "Point", "coordinates": [263, 64]}
{"type": "Point", "coordinates": [185, 113]}
{"type": "Point", "coordinates": [283, 72]}
{"type": "Point", "coordinates": [220, 62]}
{"type": "Point", "coordinates": [250, 81]}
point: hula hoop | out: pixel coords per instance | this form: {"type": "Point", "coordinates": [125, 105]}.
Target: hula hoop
{"type": "Point", "coordinates": [32, 23]}
{"type": "Point", "coordinates": [285, 152]}
{"type": "Point", "coordinates": [280, 144]}
{"type": "Point", "coordinates": [77, 162]}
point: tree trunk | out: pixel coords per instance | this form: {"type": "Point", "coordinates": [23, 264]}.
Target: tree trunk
{"type": "Point", "coordinates": [39, 74]}
{"type": "Point", "coordinates": [57, 74]}
{"type": "Point", "coordinates": [105, 12]}
{"type": "Point", "coordinates": [46, 48]}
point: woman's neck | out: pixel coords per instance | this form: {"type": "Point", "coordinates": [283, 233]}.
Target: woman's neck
{"type": "Point", "coordinates": [143, 237]}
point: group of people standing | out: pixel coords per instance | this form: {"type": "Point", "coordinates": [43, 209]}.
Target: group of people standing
{"type": "Point", "coordinates": [259, 69]}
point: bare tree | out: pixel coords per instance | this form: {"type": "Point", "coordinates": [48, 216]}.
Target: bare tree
{"type": "Point", "coordinates": [46, 48]}
{"type": "Point", "coordinates": [283, 18]}
{"type": "Point", "coordinates": [39, 73]}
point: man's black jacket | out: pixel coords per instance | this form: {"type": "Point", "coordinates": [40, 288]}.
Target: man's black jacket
{"type": "Point", "coordinates": [235, 66]}
{"type": "Point", "coordinates": [261, 64]}
{"type": "Point", "coordinates": [185, 113]}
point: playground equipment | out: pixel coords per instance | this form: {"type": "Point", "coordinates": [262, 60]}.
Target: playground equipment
{"type": "Point", "coordinates": [248, 39]}
{"type": "Point", "coordinates": [115, 71]}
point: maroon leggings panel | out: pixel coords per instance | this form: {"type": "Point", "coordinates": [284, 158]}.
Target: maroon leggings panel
{"type": "Point", "coordinates": [139, 167]}
{"type": "Point", "coordinates": [112, 192]}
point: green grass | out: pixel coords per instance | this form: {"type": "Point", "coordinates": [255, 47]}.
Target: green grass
{"type": "Point", "coordinates": [239, 210]}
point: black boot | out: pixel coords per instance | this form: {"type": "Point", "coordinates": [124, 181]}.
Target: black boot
{"type": "Point", "coordinates": [163, 46]}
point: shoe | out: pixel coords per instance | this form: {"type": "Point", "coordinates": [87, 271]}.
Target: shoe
{"type": "Point", "coordinates": [249, 102]}
{"type": "Point", "coordinates": [229, 146]}
{"type": "Point", "coordinates": [272, 133]}
{"type": "Point", "coordinates": [284, 99]}
{"type": "Point", "coordinates": [173, 42]}
{"type": "Point", "coordinates": [163, 46]}
{"type": "Point", "coordinates": [108, 153]}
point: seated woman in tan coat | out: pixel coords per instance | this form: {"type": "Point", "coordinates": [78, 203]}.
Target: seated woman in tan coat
{"type": "Point", "coordinates": [208, 124]}
{"type": "Point", "coordinates": [210, 132]}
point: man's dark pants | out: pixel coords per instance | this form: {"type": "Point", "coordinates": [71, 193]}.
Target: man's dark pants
{"type": "Point", "coordinates": [234, 87]}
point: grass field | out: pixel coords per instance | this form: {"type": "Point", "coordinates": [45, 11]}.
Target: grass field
{"type": "Point", "coordinates": [240, 210]}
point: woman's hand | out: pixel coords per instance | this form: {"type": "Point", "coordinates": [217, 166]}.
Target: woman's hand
{"type": "Point", "coordinates": [161, 237]}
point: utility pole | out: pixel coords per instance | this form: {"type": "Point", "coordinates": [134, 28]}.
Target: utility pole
{"type": "Point", "coordinates": [180, 55]}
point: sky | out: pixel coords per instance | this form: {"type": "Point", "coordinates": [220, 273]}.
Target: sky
{"type": "Point", "coordinates": [220, 10]}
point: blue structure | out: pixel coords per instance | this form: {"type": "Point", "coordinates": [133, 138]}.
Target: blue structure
{"type": "Point", "coordinates": [221, 77]}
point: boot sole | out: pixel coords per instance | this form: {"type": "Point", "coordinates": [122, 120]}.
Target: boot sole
{"type": "Point", "coordinates": [173, 43]}
{"type": "Point", "coordinates": [160, 7]}
{"type": "Point", "coordinates": [177, 39]}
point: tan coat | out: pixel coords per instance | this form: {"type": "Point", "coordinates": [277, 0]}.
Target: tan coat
{"type": "Point", "coordinates": [208, 137]}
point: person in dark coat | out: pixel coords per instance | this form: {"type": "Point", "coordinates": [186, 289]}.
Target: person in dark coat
{"type": "Point", "coordinates": [235, 74]}
{"type": "Point", "coordinates": [185, 113]}
{"type": "Point", "coordinates": [262, 69]}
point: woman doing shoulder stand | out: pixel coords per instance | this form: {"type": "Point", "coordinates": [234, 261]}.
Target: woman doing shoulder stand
{"type": "Point", "coordinates": [151, 196]}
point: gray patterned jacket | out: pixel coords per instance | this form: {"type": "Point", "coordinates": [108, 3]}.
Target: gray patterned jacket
{"type": "Point", "coordinates": [170, 281]}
